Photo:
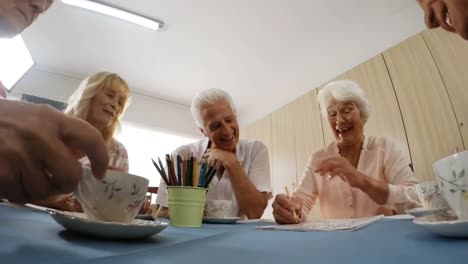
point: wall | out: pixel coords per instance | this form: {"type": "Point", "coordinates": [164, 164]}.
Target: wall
{"type": "Point", "coordinates": [417, 90]}
{"type": "Point", "coordinates": [144, 111]}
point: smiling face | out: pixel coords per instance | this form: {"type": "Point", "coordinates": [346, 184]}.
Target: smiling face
{"type": "Point", "coordinates": [16, 15]}
{"type": "Point", "coordinates": [220, 126]}
{"type": "Point", "coordinates": [105, 107]}
{"type": "Point", "coordinates": [452, 15]}
{"type": "Point", "coordinates": [346, 122]}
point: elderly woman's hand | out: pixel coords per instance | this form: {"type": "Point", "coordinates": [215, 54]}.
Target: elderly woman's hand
{"type": "Point", "coordinates": [339, 166]}
{"type": "Point", "coordinates": [284, 208]}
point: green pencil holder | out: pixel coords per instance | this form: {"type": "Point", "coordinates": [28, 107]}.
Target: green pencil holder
{"type": "Point", "coordinates": [186, 205]}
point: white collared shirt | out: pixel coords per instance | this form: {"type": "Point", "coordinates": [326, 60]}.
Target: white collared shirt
{"type": "Point", "coordinates": [253, 157]}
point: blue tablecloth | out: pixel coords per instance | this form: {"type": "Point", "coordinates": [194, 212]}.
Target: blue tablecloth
{"type": "Point", "coordinates": [33, 237]}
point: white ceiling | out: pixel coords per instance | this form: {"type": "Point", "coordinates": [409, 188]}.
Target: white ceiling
{"type": "Point", "coordinates": [264, 52]}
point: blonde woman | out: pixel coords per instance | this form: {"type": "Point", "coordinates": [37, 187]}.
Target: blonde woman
{"type": "Point", "coordinates": [100, 100]}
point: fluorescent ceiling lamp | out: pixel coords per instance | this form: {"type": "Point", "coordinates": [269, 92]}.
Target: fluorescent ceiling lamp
{"type": "Point", "coordinates": [15, 61]}
{"type": "Point", "coordinates": [116, 12]}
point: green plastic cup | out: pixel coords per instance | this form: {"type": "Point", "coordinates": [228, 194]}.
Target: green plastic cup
{"type": "Point", "coordinates": [186, 205]}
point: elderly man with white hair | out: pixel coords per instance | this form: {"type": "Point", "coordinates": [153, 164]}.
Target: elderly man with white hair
{"type": "Point", "coordinates": [355, 176]}
{"type": "Point", "coordinates": [244, 174]}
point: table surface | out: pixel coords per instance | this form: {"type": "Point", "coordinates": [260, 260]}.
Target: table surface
{"type": "Point", "coordinates": [28, 236]}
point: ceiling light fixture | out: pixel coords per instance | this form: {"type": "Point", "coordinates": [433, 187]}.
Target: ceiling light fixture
{"type": "Point", "coordinates": [116, 12]}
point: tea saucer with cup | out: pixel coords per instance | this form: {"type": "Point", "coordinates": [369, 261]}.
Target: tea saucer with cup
{"type": "Point", "coordinates": [222, 220]}
{"type": "Point", "coordinates": [452, 178]}
{"type": "Point", "coordinates": [218, 208]}
{"type": "Point", "coordinates": [115, 198]}
{"type": "Point", "coordinates": [219, 212]}
{"type": "Point", "coordinates": [444, 224]}
{"type": "Point", "coordinates": [421, 211]}
{"type": "Point", "coordinates": [137, 229]}
{"type": "Point", "coordinates": [427, 195]}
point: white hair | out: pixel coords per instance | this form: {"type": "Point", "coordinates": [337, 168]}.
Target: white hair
{"type": "Point", "coordinates": [209, 97]}
{"type": "Point", "coordinates": [344, 90]}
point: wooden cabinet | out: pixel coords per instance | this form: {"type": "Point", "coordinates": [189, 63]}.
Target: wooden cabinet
{"type": "Point", "coordinates": [427, 113]}
{"type": "Point", "coordinates": [308, 136]}
{"type": "Point", "coordinates": [385, 117]}
{"type": "Point", "coordinates": [261, 130]}
{"type": "Point", "coordinates": [450, 53]}
{"type": "Point", "coordinates": [283, 150]}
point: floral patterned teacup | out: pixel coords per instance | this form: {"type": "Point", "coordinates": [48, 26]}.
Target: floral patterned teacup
{"type": "Point", "coordinates": [452, 177]}
{"type": "Point", "coordinates": [427, 195]}
{"type": "Point", "coordinates": [218, 208]}
{"type": "Point", "coordinates": [116, 198]}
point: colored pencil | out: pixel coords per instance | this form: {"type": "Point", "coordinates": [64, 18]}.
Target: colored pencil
{"type": "Point", "coordinates": [210, 177]}
{"type": "Point", "coordinates": [161, 172]}
{"type": "Point", "coordinates": [179, 170]}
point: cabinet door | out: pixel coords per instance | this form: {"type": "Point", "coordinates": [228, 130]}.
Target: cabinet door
{"type": "Point", "coordinates": [284, 151]}
{"type": "Point", "coordinates": [385, 117]}
{"type": "Point", "coordinates": [308, 135]}
{"type": "Point", "coordinates": [307, 129]}
{"type": "Point", "coordinates": [450, 53]}
{"type": "Point", "coordinates": [261, 130]}
{"type": "Point", "coordinates": [427, 113]}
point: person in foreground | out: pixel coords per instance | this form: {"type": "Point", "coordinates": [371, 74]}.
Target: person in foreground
{"type": "Point", "coordinates": [355, 176]}
{"type": "Point", "coordinates": [100, 100]}
{"type": "Point", "coordinates": [451, 15]}
{"type": "Point", "coordinates": [39, 146]}
{"type": "Point", "coordinates": [244, 174]}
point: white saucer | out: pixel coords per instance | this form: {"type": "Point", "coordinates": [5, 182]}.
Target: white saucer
{"type": "Point", "coordinates": [138, 229]}
{"type": "Point", "coordinates": [421, 211]}
{"type": "Point", "coordinates": [220, 220]}
{"type": "Point", "coordinates": [443, 225]}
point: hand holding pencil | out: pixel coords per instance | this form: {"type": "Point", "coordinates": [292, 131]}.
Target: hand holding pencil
{"type": "Point", "coordinates": [287, 209]}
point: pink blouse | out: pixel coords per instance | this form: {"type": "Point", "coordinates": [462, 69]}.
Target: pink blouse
{"type": "Point", "coordinates": [380, 159]}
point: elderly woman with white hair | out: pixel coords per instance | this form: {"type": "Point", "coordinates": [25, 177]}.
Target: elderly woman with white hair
{"type": "Point", "coordinates": [355, 176]}
{"type": "Point", "coordinates": [244, 174]}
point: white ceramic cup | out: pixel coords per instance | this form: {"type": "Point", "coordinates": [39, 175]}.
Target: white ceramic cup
{"type": "Point", "coordinates": [116, 198]}
{"type": "Point", "coordinates": [218, 208]}
{"type": "Point", "coordinates": [427, 195]}
{"type": "Point", "coordinates": [452, 177]}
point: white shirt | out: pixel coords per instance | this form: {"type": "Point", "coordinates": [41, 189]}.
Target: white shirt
{"type": "Point", "coordinates": [253, 157]}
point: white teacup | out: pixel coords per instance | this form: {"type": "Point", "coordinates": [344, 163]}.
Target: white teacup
{"type": "Point", "coordinates": [427, 195]}
{"type": "Point", "coordinates": [116, 198]}
{"type": "Point", "coordinates": [218, 208]}
{"type": "Point", "coordinates": [452, 177]}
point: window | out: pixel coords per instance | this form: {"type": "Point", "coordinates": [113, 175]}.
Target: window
{"type": "Point", "coordinates": [16, 61]}
{"type": "Point", "coordinates": [143, 144]}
